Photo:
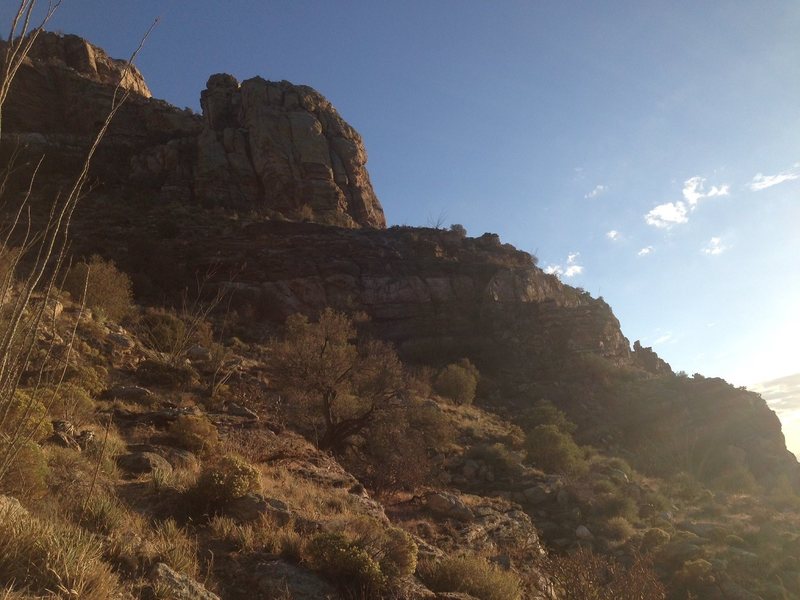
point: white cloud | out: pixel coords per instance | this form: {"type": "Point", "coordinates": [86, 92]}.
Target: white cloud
{"type": "Point", "coordinates": [598, 189]}
{"type": "Point", "coordinates": [714, 247]}
{"type": "Point", "coordinates": [694, 190]}
{"type": "Point", "coordinates": [645, 251]}
{"type": "Point", "coordinates": [613, 235]}
{"type": "Point", "coordinates": [762, 182]}
{"type": "Point", "coordinates": [570, 269]}
{"type": "Point", "coordinates": [666, 215]}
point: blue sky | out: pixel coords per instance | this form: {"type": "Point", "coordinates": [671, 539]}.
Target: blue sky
{"type": "Point", "coordinates": [675, 124]}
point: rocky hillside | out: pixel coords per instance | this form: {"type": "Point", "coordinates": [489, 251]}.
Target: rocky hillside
{"type": "Point", "coordinates": [267, 195]}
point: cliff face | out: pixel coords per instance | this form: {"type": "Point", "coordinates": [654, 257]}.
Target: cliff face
{"type": "Point", "coordinates": [273, 148]}
{"type": "Point", "coordinates": [167, 182]}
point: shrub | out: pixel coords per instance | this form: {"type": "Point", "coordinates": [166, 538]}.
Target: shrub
{"type": "Point", "coordinates": [195, 432]}
{"type": "Point", "coordinates": [544, 412]}
{"type": "Point", "coordinates": [555, 451]}
{"type": "Point", "coordinates": [459, 230]}
{"type": "Point", "coordinates": [458, 381]}
{"type": "Point", "coordinates": [696, 572]}
{"type": "Point", "coordinates": [585, 575]}
{"type": "Point", "coordinates": [618, 529]}
{"type": "Point", "coordinates": [69, 402]}
{"type": "Point", "coordinates": [503, 462]}
{"type": "Point", "coordinates": [472, 575]}
{"type": "Point", "coordinates": [342, 560]}
{"type": "Point", "coordinates": [44, 557]}
{"type": "Point", "coordinates": [90, 378]}
{"type": "Point", "coordinates": [365, 555]}
{"type": "Point", "coordinates": [27, 417]}
{"type": "Point", "coordinates": [654, 538]}
{"type": "Point", "coordinates": [226, 479]}
{"type": "Point", "coordinates": [162, 331]}
{"type": "Point", "coordinates": [617, 505]}
{"type": "Point", "coordinates": [26, 477]}
{"type": "Point", "coordinates": [393, 549]}
{"type": "Point", "coordinates": [108, 290]}
{"type": "Point", "coordinates": [151, 372]}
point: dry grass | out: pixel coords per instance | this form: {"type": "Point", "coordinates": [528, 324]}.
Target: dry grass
{"type": "Point", "coordinates": [41, 556]}
{"type": "Point", "coordinates": [264, 535]}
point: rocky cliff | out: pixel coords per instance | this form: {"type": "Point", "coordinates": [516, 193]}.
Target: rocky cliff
{"type": "Point", "coordinates": [268, 190]}
{"type": "Point", "coordinates": [273, 148]}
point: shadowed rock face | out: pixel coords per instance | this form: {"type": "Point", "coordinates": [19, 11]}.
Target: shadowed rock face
{"type": "Point", "coordinates": [283, 147]}
{"type": "Point", "coordinates": [273, 148]}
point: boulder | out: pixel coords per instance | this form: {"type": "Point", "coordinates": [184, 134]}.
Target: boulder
{"type": "Point", "coordinates": [65, 441]}
{"type": "Point", "coordinates": [180, 586]}
{"type": "Point", "coordinates": [241, 411]}
{"type": "Point", "coordinates": [198, 353]}
{"type": "Point", "coordinates": [252, 506]}
{"type": "Point", "coordinates": [133, 393]}
{"type": "Point", "coordinates": [583, 533]}
{"type": "Point", "coordinates": [536, 494]}
{"type": "Point", "coordinates": [449, 506]}
{"type": "Point", "coordinates": [144, 462]}
{"type": "Point", "coordinates": [120, 342]}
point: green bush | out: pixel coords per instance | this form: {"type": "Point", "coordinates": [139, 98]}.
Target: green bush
{"type": "Point", "coordinates": [472, 575]}
{"type": "Point", "coordinates": [503, 462]}
{"type": "Point", "coordinates": [544, 412]}
{"type": "Point", "coordinates": [226, 479]}
{"type": "Point", "coordinates": [343, 560]}
{"type": "Point", "coordinates": [458, 381]}
{"type": "Point", "coordinates": [393, 549]}
{"type": "Point", "coordinates": [162, 331]}
{"type": "Point", "coordinates": [108, 290]}
{"type": "Point", "coordinates": [616, 505]}
{"type": "Point", "coordinates": [365, 556]}
{"type": "Point", "coordinates": [196, 433]}
{"type": "Point", "coordinates": [555, 451]}
{"type": "Point", "coordinates": [654, 538]}
{"type": "Point", "coordinates": [26, 416]}
{"type": "Point", "coordinates": [618, 529]}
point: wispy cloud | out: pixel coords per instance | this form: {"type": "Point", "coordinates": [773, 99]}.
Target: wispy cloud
{"type": "Point", "coordinates": [598, 189]}
{"type": "Point", "coordinates": [665, 216]}
{"type": "Point", "coordinates": [570, 269]}
{"type": "Point", "coordinates": [662, 339]}
{"type": "Point", "coordinates": [613, 235]}
{"type": "Point", "coordinates": [714, 247]}
{"type": "Point", "coordinates": [762, 182]}
{"type": "Point", "coordinates": [645, 251]}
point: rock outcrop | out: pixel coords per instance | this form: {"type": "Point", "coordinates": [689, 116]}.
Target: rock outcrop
{"type": "Point", "coordinates": [283, 147]}
{"type": "Point", "coordinates": [75, 53]}
{"type": "Point", "coordinates": [275, 149]}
